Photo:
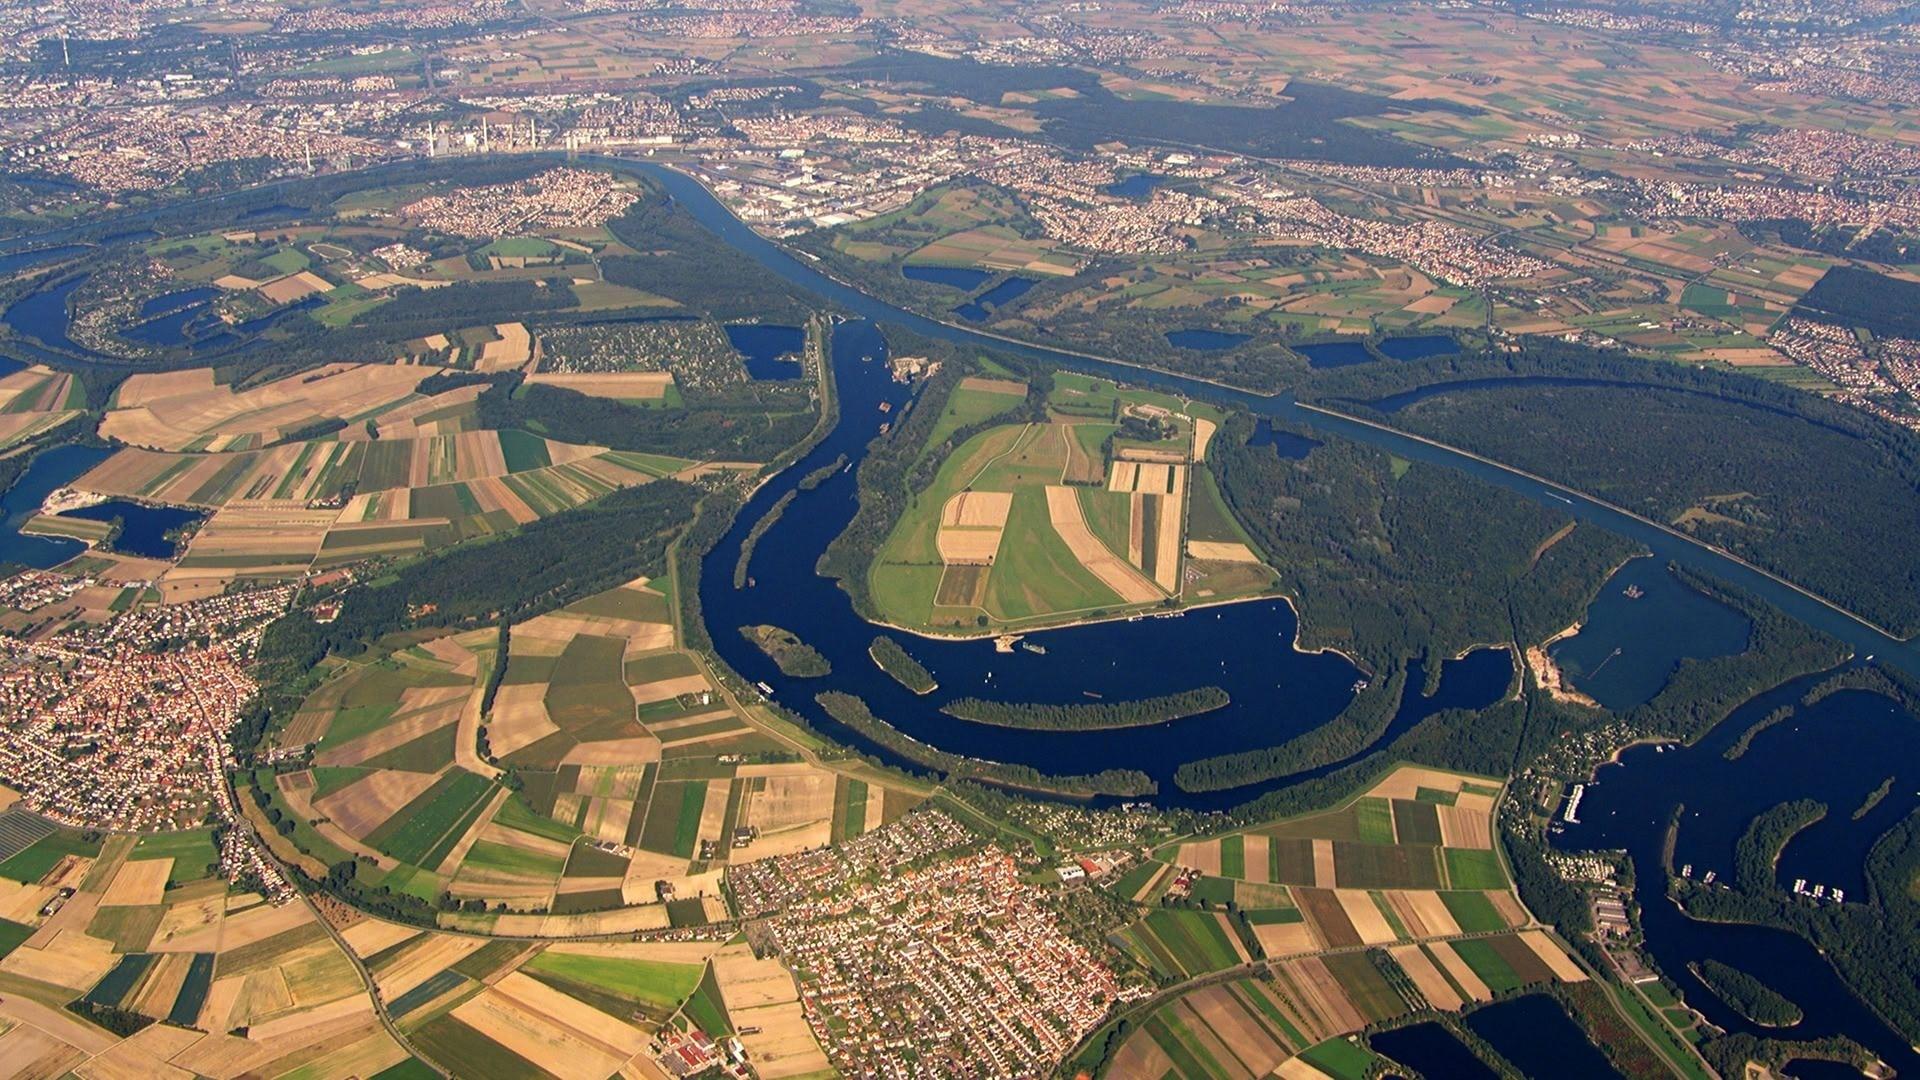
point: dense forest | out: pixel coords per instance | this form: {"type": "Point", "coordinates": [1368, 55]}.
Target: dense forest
{"type": "Point", "coordinates": [1757, 852]}
{"type": "Point", "coordinates": [1388, 560]}
{"type": "Point", "coordinates": [853, 712]}
{"type": "Point", "coordinates": [795, 658]}
{"type": "Point", "coordinates": [1310, 125]}
{"type": "Point", "coordinates": [1788, 480]}
{"type": "Point", "coordinates": [710, 429]}
{"type": "Point", "coordinates": [1890, 307]}
{"type": "Point", "coordinates": [752, 540]}
{"type": "Point", "coordinates": [691, 266]}
{"type": "Point", "coordinates": [1089, 716]}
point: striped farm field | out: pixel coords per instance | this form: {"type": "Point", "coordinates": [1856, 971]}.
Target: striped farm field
{"type": "Point", "coordinates": [1184, 943]}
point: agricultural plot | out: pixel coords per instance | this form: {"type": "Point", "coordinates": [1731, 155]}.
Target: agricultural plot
{"type": "Point", "coordinates": [586, 1009]}
{"type": "Point", "coordinates": [1411, 859]}
{"type": "Point", "coordinates": [211, 981]}
{"type": "Point", "coordinates": [35, 400]}
{"type": "Point", "coordinates": [188, 410]}
{"type": "Point", "coordinates": [1077, 517]}
{"type": "Point", "coordinates": [1291, 1022]}
{"type": "Point", "coordinates": [406, 472]}
{"type": "Point", "coordinates": [639, 779]}
{"type": "Point", "coordinates": [1181, 943]}
{"type": "Point", "coordinates": [398, 780]}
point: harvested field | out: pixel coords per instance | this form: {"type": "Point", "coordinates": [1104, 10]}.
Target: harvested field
{"type": "Point", "coordinates": [1218, 551]}
{"type": "Point", "coordinates": [1366, 918]}
{"type": "Point", "coordinates": [1423, 913]}
{"type": "Point", "coordinates": [298, 286]}
{"type": "Point", "coordinates": [564, 1052]}
{"type": "Point", "coordinates": [1321, 993]}
{"type": "Point", "coordinates": [1426, 976]}
{"type": "Point", "coordinates": [370, 936]}
{"type": "Point", "coordinates": [1202, 855]}
{"type": "Point", "coordinates": [1285, 939]}
{"type": "Point", "coordinates": [618, 385]}
{"type": "Point", "coordinates": [137, 883]}
{"type": "Point", "coordinates": [599, 1029]}
{"type": "Point", "coordinates": [985, 385]}
{"type": "Point", "coordinates": [1323, 865]}
{"type": "Point", "coordinates": [1063, 509]}
{"type": "Point", "coordinates": [1203, 430]}
{"type": "Point", "coordinates": [182, 410]}
{"type": "Point", "coordinates": [1553, 956]}
{"type": "Point", "coordinates": [1464, 828]}
{"type": "Point", "coordinates": [367, 804]}
{"type": "Point", "coordinates": [977, 509]}
{"type": "Point", "coordinates": [511, 349]}
{"type": "Point", "coordinates": [968, 546]}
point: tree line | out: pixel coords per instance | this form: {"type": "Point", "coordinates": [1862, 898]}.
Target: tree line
{"type": "Point", "coordinates": [855, 714]}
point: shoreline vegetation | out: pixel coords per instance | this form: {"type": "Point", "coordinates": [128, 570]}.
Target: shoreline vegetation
{"type": "Point", "coordinates": [853, 712]}
{"type": "Point", "coordinates": [795, 658]}
{"type": "Point", "coordinates": [1092, 716]}
{"type": "Point", "coordinates": [893, 659]}
{"type": "Point", "coordinates": [1358, 726]}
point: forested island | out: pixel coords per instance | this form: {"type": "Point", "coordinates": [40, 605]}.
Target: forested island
{"type": "Point", "coordinates": [1747, 995]}
{"type": "Point", "coordinates": [1093, 716]}
{"type": "Point", "coordinates": [794, 657]}
{"type": "Point", "coordinates": [894, 660]}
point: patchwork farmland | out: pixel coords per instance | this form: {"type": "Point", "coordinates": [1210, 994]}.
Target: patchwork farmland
{"type": "Point", "coordinates": [1410, 859]}
{"type": "Point", "coordinates": [155, 966]}
{"type": "Point", "coordinates": [1391, 904]}
{"type": "Point", "coordinates": [635, 780]}
{"type": "Point", "coordinates": [1092, 512]}
{"type": "Point", "coordinates": [396, 472]}
{"type": "Point", "coordinates": [36, 400]}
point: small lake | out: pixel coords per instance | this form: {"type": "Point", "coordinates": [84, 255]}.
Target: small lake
{"type": "Point", "coordinates": [1418, 347]}
{"type": "Point", "coordinates": [170, 329]}
{"type": "Point", "coordinates": [1206, 340]}
{"type": "Point", "coordinates": [20, 260]}
{"type": "Point", "coordinates": [982, 306]}
{"type": "Point", "coordinates": [1432, 1050]}
{"type": "Point", "coordinates": [771, 351]}
{"type": "Point", "coordinates": [143, 529]}
{"type": "Point", "coordinates": [176, 300]}
{"type": "Point", "coordinates": [55, 468]}
{"type": "Point", "coordinates": [1286, 444]}
{"type": "Point", "coordinates": [964, 278]}
{"type": "Point", "coordinates": [1137, 186]}
{"type": "Point", "coordinates": [1540, 1039]}
{"type": "Point", "coordinates": [1335, 354]}
{"type": "Point", "coordinates": [1628, 647]}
